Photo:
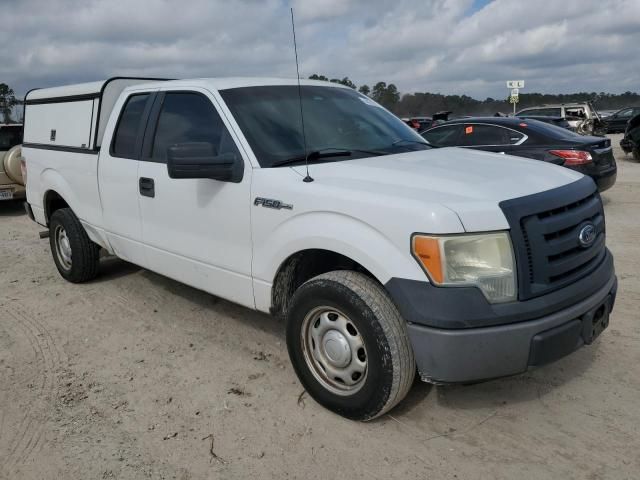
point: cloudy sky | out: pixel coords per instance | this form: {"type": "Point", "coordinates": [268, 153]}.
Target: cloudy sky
{"type": "Point", "coordinates": [448, 46]}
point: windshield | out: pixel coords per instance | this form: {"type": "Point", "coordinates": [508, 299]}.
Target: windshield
{"type": "Point", "coordinates": [334, 119]}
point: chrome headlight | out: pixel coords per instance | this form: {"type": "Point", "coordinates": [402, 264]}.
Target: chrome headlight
{"type": "Point", "coordinates": [484, 260]}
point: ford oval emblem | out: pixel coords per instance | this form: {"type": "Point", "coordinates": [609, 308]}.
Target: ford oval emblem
{"type": "Point", "coordinates": [587, 235]}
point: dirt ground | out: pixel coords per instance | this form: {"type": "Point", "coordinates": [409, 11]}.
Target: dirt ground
{"type": "Point", "coordinates": [137, 376]}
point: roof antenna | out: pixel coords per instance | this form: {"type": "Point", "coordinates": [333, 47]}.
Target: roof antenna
{"type": "Point", "coordinates": [308, 178]}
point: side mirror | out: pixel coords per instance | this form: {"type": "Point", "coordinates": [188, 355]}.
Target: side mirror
{"type": "Point", "coordinates": [198, 160]}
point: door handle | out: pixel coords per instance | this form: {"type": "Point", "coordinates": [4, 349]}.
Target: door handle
{"type": "Point", "coordinates": [147, 187]}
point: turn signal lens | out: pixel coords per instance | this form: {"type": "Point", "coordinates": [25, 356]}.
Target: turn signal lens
{"type": "Point", "coordinates": [427, 251]}
{"type": "Point", "coordinates": [573, 157]}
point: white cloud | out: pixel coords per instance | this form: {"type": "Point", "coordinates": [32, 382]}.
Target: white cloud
{"type": "Point", "coordinates": [436, 46]}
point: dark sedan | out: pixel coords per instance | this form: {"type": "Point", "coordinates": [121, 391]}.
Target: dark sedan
{"type": "Point", "coordinates": [618, 121]}
{"type": "Point", "coordinates": [530, 138]}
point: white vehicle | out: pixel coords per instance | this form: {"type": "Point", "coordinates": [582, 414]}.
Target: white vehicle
{"type": "Point", "coordinates": [388, 256]}
{"type": "Point", "coordinates": [11, 182]}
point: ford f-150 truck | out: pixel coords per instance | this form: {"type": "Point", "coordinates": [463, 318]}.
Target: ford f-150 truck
{"type": "Point", "coordinates": [387, 256]}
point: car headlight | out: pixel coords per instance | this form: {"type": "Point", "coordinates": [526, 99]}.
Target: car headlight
{"type": "Point", "coordinates": [483, 260]}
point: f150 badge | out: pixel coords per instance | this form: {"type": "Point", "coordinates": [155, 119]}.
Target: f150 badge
{"type": "Point", "coordinates": [272, 203]}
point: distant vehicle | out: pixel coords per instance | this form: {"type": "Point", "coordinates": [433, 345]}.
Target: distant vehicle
{"type": "Point", "coordinates": [582, 117]}
{"type": "Point", "coordinates": [617, 122]}
{"type": "Point", "coordinates": [11, 180]}
{"type": "Point", "coordinates": [418, 123]}
{"type": "Point", "coordinates": [557, 121]}
{"type": "Point", "coordinates": [630, 143]}
{"type": "Point", "coordinates": [592, 156]}
{"type": "Point", "coordinates": [606, 113]}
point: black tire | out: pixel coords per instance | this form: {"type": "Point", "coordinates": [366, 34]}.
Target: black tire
{"type": "Point", "coordinates": [636, 154]}
{"type": "Point", "coordinates": [85, 255]}
{"type": "Point", "coordinates": [390, 363]}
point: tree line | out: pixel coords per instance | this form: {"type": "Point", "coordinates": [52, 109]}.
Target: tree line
{"type": "Point", "coordinates": [426, 103]}
{"type": "Point", "coordinates": [8, 100]}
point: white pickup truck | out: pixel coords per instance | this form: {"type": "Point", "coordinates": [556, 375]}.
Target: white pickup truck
{"type": "Point", "coordinates": [389, 256]}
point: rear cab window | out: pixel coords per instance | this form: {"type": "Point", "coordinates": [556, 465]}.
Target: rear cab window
{"type": "Point", "coordinates": [575, 113]}
{"type": "Point", "coordinates": [127, 138]}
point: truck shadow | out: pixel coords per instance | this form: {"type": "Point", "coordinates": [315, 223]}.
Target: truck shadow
{"type": "Point", "coordinates": [112, 268]}
{"type": "Point", "coordinates": [11, 208]}
{"type": "Point", "coordinates": [531, 386]}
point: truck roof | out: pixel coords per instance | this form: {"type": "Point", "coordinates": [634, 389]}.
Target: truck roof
{"type": "Point", "coordinates": [222, 83]}
{"type": "Point", "coordinates": [91, 104]}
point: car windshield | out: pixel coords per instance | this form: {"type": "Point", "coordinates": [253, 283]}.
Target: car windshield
{"type": "Point", "coordinates": [337, 119]}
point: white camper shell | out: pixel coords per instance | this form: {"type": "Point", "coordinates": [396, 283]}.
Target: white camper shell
{"type": "Point", "coordinates": [73, 117]}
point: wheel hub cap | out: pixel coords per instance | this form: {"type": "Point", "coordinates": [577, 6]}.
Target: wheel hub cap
{"type": "Point", "coordinates": [336, 348]}
{"type": "Point", "coordinates": [63, 247]}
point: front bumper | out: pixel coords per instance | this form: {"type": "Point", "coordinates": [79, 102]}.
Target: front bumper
{"type": "Point", "coordinates": [494, 348]}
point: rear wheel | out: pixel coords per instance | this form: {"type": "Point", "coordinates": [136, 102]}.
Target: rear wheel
{"type": "Point", "coordinates": [74, 254]}
{"type": "Point", "coordinates": [348, 345]}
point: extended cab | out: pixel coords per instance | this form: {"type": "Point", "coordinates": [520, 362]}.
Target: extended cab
{"type": "Point", "coordinates": [385, 255]}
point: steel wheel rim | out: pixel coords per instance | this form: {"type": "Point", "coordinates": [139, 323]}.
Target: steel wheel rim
{"type": "Point", "coordinates": [334, 350]}
{"type": "Point", "coordinates": [63, 247]}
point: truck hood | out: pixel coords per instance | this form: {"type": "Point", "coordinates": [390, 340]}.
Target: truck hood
{"type": "Point", "coordinates": [470, 182]}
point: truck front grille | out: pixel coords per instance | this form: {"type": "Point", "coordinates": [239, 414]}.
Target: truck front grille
{"type": "Point", "coordinates": [545, 230]}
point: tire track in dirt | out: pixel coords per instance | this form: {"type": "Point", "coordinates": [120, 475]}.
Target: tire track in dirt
{"type": "Point", "coordinates": [29, 434]}
{"type": "Point", "coordinates": [20, 335]}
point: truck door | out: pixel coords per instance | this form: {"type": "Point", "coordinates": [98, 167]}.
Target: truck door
{"type": "Point", "coordinates": [118, 178]}
{"type": "Point", "coordinates": [195, 230]}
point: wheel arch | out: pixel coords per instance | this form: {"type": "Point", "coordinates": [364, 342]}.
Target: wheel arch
{"type": "Point", "coordinates": [51, 202]}
{"type": "Point", "coordinates": [339, 240]}
{"type": "Point", "coordinates": [303, 265]}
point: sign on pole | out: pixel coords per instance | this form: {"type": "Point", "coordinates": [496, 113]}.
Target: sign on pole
{"type": "Point", "coordinates": [515, 86]}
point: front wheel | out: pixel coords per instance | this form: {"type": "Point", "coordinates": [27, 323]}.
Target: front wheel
{"type": "Point", "coordinates": [74, 254]}
{"type": "Point", "coordinates": [348, 345]}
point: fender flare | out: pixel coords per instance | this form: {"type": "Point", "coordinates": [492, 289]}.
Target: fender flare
{"type": "Point", "coordinates": [339, 233]}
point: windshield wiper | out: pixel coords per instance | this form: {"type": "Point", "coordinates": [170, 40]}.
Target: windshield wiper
{"type": "Point", "coordinates": [328, 152]}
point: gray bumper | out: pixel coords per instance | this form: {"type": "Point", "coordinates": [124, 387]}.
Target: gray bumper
{"type": "Point", "coordinates": [471, 354]}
